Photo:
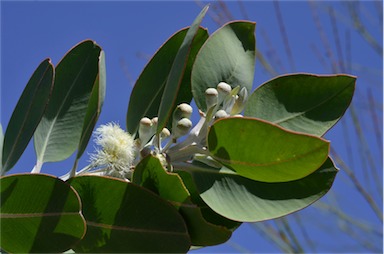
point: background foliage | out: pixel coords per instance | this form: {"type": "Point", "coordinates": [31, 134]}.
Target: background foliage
{"type": "Point", "coordinates": [347, 38]}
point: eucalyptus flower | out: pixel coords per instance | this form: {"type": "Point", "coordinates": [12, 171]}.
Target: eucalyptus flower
{"type": "Point", "coordinates": [117, 151]}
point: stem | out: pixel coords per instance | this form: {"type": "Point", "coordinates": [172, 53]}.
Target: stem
{"type": "Point", "coordinates": [73, 170]}
{"type": "Point", "coordinates": [37, 168]}
{"type": "Point", "coordinates": [69, 174]}
{"type": "Point", "coordinates": [186, 153]}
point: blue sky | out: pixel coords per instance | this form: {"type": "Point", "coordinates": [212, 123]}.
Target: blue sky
{"type": "Point", "coordinates": [130, 32]}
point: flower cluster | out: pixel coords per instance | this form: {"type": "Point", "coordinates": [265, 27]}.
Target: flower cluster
{"type": "Point", "coordinates": [119, 152]}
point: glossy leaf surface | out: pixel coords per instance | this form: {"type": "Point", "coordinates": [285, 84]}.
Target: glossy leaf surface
{"type": "Point", "coordinates": [58, 134]}
{"type": "Point", "coordinates": [265, 152]}
{"type": "Point", "coordinates": [94, 108]}
{"type": "Point", "coordinates": [123, 217]}
{"type": "Point", "coordinates": [242, 199]}
{"type": "Point", "coordinates": [27, 114]}
{"type": "Point", "coordinates": [176, 74]}
{"type": "Point", "coordinates": [229, 56]}
{"type": "Point", "coordinates": [39, 213]}
{"type": "Point", "coordinates": [1, 146]}
{"type": "Point", "coordinates": [150, 174]}
{"type": "Point", "coordinates": [146, 95]}
{"type": "Point", "coordinates": [303, 102]}
{"type": "Point", "coordinates": [207, 212]}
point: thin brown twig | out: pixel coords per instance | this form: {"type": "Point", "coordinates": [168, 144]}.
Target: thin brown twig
{"type": "Point", "coordinates": [296, 244]}
{"type": "Point", "coordinates": [362, 225]}
{"type": "Point", "coordinates": [365, 148]}
{"type": "Point", "coordinates": [336, 36]}
{"type": "Point", "coordinates": [319, 56]}
{"type": "Point", "coordinates": [368, 198]}
{"type": "Point", "coordinates": [361, 28]}
{"type": "Point", "coordinates": [323, 36]}
{"type": "Point", "coordinates": [270, 233]}
{"type": "Point", "coordinates": [272, 55]}
{"type": "Point", "coordinates": [376, 125]}
{"type": "Point", "coordinates": [242, 9]}
{"type": "Point", "coordinates": [224, 10]}
{"type": "Point", "coordinates": [284, 35]}
{"type": "Point", "coordinates": [304, 232]}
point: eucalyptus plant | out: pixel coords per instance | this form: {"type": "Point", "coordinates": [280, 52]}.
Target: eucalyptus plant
{"type": "Point", "coordinates": [167, 184]}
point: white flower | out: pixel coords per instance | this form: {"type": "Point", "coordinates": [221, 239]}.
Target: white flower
{"type": "Point", "coordinates": [117, 151]}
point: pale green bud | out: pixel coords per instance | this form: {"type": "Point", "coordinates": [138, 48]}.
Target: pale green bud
{"type": "Point", "coordinates": [240, 101]}
{"type": "Point", "coordinates": [182, 128]}
{"type": "Point", "coordinates": [221, 114]}
{"type": "Point", "coordinates": [165, 133]}
{"type": "Point", "coordinates": [154, 121]}
{"type": "Point", "coordinates": [229, 102]}
{"type": "Point", "coordinates": [211, 97]}
{"type": "Point", "coordinates": [183, 110]}
{"type": "Point", "coordinates": [224, 90]}
{"type": "Point", "coordinates": [145, 130]}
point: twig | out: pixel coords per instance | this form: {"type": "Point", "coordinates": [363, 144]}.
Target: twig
{"type": "Point", "coordinates": [362, 30]}
{"type": "Point", "coordinates": [284, 35]}
{"type": "Point", "coordinates": [358, 186]}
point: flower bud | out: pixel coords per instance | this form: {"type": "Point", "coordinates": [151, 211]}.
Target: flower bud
{"type": "Point", "coordinates": [211, 97]}
{"type": "Point", "coordinates": [183, 110]}
{"type": "Point", "coordinates": [223, 87]}
{"type": "Point", "coordinates": [229, 102]}
{"type": "Point", "coordinates": [145, 130]}
{"type": "Point", "coordinates": [240, 101]}
{"type": "Point", "coordinates": [182, 128]}
{"type": "Point", "coordinates": [154, 121]}
{"type": "Point", "coordinates": [165, 133]}
{"type": "Point", "coordinates": [221, 114]}
{"type": "Point", "coordinates": [224, 90]}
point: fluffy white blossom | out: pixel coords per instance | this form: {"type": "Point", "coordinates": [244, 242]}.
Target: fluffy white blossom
{"type": "Point", "coordinates": [116, 153]}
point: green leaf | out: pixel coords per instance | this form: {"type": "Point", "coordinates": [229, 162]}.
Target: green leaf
{"type": "Point", "coordinates": [58, 134]}
{"type": "Point", "coordinates": [174, 80]}
{"type": "Point", "coordinates": [94, 108]}
{"type": "Point", "coordinates": [39, 213]}
{"type": "Point", "coordinates": [303, 102]}
{"type": "Point", "coordinates": [1, 146]}
{"type": "Point", "coordinates": [242, 199]}
{"type": "Point", "coordinates": [27, 114]}
{"type": "Point", "coordinates": [263, 151]}
{"type": "Point", "coordinates": [206, 211]}
{"type": "Point", "coordinates": [123, 217]}
{"type": "Point", "coordinates": [150, 174]}
{"type": "Point", "coordinates": [227, 56]}
{"type": "Point", "coordinates": [146, 95]}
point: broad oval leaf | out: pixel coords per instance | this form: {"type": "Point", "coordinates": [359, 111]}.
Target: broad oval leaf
{"type": "Point", "coordinates": [94, 109]}
{"type": "Point", "coordinates": [263, 151]}
{"type": "Point", "coordinates": [303, 102]}
{"type": "Point", "coordinates": [242, 199]}
{"type": "Point", "coordinates": [1, 146]}
{"type": "Point", "coordinates": [39, 213]}
{"type": "Point", "coordinates": [58, 134]}
{"type": "Point", "coordinates": [123, 217]}
{"type": "Point", "coordinates": [147, 93]}
{"type": "Point", "coordinates": [150, 174]}
{"type": "Point", "coordinates": [94, 106]}
{"type": "Point", "coordinates": [175, 78]}
{"type": "Point", "coordinates": [228, 56]}
{"type": "Point", "coordinates": [27, 114]}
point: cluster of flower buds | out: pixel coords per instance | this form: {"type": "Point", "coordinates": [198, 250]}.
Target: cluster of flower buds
{"type": "Point", "coordinates": [223, 101]}
{"type": "Point", "coordinates": [119, 153]}
{"type": "Point", "coordinates": [181, 126]}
